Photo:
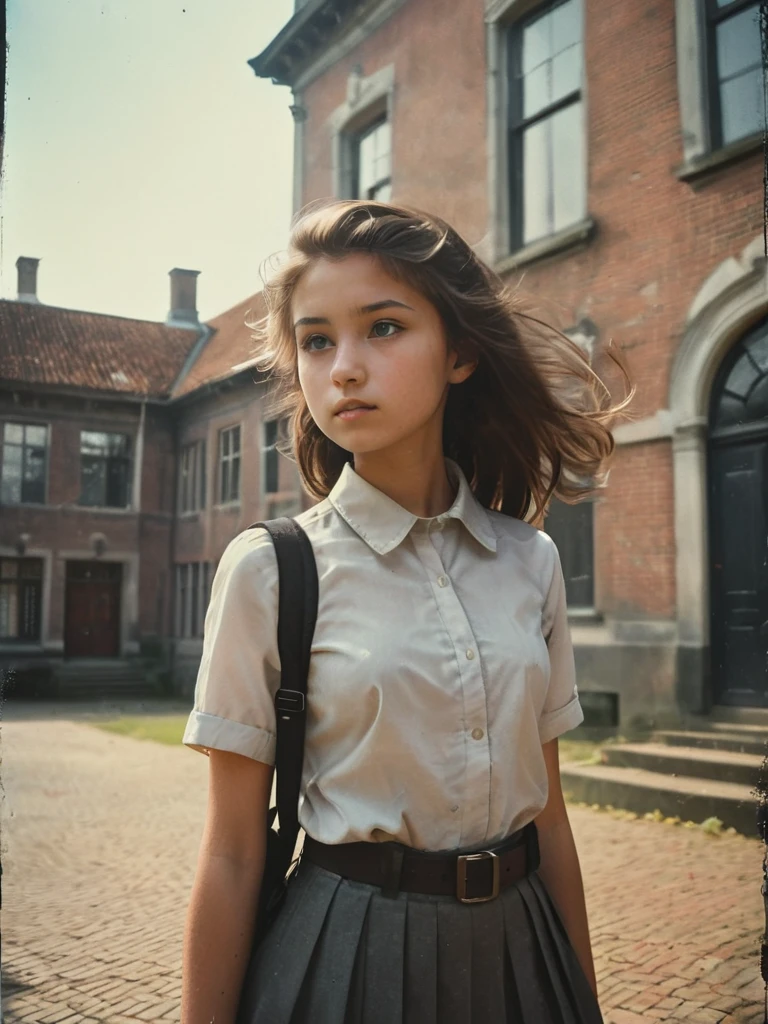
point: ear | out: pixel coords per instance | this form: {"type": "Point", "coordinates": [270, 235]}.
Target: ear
{"type": "Point", "coordinates": [461, 370]}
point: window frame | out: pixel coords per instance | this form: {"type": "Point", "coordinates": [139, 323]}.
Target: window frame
{"type": "Point", "coordinates": [357, 140]}
{"type": "Point", "coordinates": [226, 496]}
{"type": "Point", "coordinates": [577, 608]}
{"type": "Point", "coordinates": [516, 124]}
{"type": "Point", "coordinates": [713, 16]}
{"type": "Point", "coordinates": [24, 424]}
{"type": "Point", "coordinates": [33, 583]}
{"type": "Point", "coordinates": [192, 484]}
{"type": "Point", "coordinates": [110, 460]}
{"type": "Point", "coordinates": [192, 592]}
{"type": "Point", "coordinates": [268, 449]}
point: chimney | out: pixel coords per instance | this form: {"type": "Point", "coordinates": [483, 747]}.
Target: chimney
{"type": "Point", "coordinates": [27, 273]}
{"type": "Point", "coordinates": [183, 298]}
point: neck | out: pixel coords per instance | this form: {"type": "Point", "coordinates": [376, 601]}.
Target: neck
{"type": "Point", "coordinates": [416, 481]}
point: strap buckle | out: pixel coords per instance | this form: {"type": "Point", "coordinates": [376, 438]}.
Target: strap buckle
{"type": "Point", "coordinates": [289, 702]}
{"type": "Point", "coordinates": [461, 876]}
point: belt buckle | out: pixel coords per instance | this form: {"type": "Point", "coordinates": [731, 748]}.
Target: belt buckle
{"type": "Point", "coordinates": [461, 876]}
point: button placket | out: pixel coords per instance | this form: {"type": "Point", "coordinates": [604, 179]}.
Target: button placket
{"type": "Point", "coordinates": [472, 711]}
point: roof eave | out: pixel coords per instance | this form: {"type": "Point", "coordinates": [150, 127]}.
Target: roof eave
{"type": "Point", "coordinates": [299, 40]}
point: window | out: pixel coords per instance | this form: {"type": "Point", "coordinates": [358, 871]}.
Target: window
{"type": "Point", "coordinates": [373, 162]}
{"type": "Point", "coordinates": [105, 469]}
{"type": "Point", "coordinates": [25, 456]}
{"type": "Point", "coordinates": [571, 528]}
{"type": "Point", "coordinates": [736, 78]}
{"type": "Point", "coordinates": [546, 132]}
{"type": "Point", "coordinates": [271, 458]}
{"type": "Point", "coordinates": [229, 464]}
{"type": "Point", "coordinates": [192, 595]}
{"type": "Point", "coordinates": [192, 477]}
{"type": "Point", "coordinates": [21, 581]}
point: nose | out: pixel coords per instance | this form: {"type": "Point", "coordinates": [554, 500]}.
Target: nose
{"type": "Point", "coordinates": [348, 365]}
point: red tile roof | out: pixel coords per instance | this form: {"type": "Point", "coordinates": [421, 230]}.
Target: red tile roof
{"type": "Point", "coordinates": [49, 345]}
{"type": "Point", "coordinates": [228, 350]}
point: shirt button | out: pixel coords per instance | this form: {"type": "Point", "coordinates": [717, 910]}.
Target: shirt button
{"type": "Point", "coordinates": [477, 734]}
{"type": "Point", "coordinates": [442, 581]}
{"type": "Point", "coordinates": [470, 654]}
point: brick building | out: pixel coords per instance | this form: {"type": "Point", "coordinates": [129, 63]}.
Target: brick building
{"type": "Point", "coordinates": [131, 453]}
{"type": "Point", "coordinates": [607, 157]}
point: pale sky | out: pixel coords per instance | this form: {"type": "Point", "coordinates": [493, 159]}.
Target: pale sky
{"type": "Point", "coordinates": [138, 139]}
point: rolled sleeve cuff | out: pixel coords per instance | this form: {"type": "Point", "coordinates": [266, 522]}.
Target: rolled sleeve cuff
{"type": "Point", "coordinates": [206, 732]}
{"type": "Point", "coordinates": [554, 723]}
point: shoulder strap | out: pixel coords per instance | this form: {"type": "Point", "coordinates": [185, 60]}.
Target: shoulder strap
{"type": "Point", "coordinates": [297, 614]}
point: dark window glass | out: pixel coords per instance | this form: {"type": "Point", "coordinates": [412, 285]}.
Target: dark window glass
{"type": "Point", "coordinates": [271, 458]}
{"type": "Point", "coordinates": [25, 460]}
{"type": "Point", "coordinates": [373, 162]}
{"type": "Point", "coordinates": [229, 463]}
{"type": "Point", "coordinates": [740, 395]}
{"type": "Point", "coordinates": [194, 589]}
{"type": "Point", "coordinates": [192, 477]}
{"type": "Point", "coordinates": [738, 99]}
{"type": "Point", "coordinates": [21, 581]}
{"type": "Point", "coordinates": [546, 136]}
{"type": "Point", "coordinates": [183, 597]}
{"type": "Point", "coordinates": [571, 528]}
{"type": "Point", "coordinates": [105, 466]}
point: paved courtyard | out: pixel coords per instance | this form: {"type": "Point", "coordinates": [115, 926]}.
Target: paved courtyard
{"type": "Point", "coordinates": [99, 842]}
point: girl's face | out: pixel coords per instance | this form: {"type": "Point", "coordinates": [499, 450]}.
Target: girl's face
{"type": "Point", "coordinates": [373, 360]}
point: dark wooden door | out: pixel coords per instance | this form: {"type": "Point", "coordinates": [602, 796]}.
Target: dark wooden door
{"type": "Point", "coordinates": [739, 518]}
{"type": "Point", "coordinates": [92, 626]}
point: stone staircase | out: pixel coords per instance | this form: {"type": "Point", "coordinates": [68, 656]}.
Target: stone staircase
{"type": "Point", "coordinates": [94, 679]}
{"type": "Point", "coordinates": [709, 769]}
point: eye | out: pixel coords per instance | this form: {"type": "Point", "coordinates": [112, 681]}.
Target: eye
{"type": "Point", "coordinates": [314, 343]}
{"type": "Point", "coordinates": [385, 329]}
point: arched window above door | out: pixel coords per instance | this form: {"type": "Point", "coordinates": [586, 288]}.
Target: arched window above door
{"type": "Point", "coordinates": [740, 393]}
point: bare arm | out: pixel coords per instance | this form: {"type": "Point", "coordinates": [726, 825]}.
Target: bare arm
{"type": "Point", "coordinates": [222, 908]}
{"type": "Point", "coordinates": [560, 870]}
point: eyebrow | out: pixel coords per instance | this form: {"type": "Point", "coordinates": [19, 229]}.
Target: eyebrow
{"type": "Point", "coordinates": [373, 307]}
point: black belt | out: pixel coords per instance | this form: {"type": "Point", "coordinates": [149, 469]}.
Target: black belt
{"type": "Point", "coordinates": [472, 877]}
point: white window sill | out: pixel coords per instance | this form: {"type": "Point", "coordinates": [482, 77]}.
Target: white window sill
{"type": "Point", "coordinates": [227, 506]}
{"type": "Point", "coordinates": [106, 509]}
{"type": "Point", "coordinates": [698, 168]}
{"type": "Point", "coordinates": [572, 237]}
{"type": "Point", "coordinates": [585, 616]}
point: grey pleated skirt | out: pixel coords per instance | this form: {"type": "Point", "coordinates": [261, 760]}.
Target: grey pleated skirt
{"type": "Point", "coordinates": [342, 953]}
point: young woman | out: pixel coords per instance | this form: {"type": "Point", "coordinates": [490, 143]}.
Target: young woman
{"type": "Point", "coordinates": [434, 420]}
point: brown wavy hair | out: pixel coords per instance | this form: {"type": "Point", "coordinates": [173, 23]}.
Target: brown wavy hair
{"type": "Point", "coordinates": [534, 418]}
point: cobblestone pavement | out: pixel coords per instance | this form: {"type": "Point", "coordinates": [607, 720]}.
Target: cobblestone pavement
{"type": "Point", "coordinates": [100, 840]}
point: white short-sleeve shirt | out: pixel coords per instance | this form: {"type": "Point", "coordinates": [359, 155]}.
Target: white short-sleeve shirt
{"type": "Point", "coordinates": [441, 662]}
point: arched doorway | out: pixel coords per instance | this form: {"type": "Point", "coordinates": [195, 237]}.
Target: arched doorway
{"type": "Point", "coordinates": [738, 523]}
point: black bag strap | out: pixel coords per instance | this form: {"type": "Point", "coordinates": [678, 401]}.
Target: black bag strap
{"type": "Point", "coordinates": [297, 614]}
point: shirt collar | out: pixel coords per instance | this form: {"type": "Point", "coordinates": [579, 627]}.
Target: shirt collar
{"type": "Point", "coordinates": [383, 524]}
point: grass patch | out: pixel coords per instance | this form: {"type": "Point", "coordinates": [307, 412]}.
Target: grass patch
{"type": "Point", "coordinates": [579, 751]}
{"type": "Point", "coordinates": [160, 728]}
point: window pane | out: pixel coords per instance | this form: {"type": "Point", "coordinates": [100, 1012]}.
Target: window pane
{"type": "Point", "coordinates": [383, 193]}
{"type": "Point", "coordinates": [202, 475]}
{"type": "Point", "coordinates": [13, 432]}
{"type": "Point", "coordinates": [571, 528]}
{"type": "Point", "coordinates": [194, 597]}
{"type": "Point", "coordinates": [366, 160]}
{"type": "Point", "coordinates": [758, 348]}
{"type": "Point", "coordinates": [32, 568]}
{"type": "Point", "coordinates": [34, 467]}
{"type": "Point", "coordinates": [225, 443]}
{"type": "Point", "coordinates": [10, 491]}
{"type": "Point", "coordinates": [36, 436]}
{"type": "Point", "coordinates": [33, 492]}
{"type": "Point", "coordinates": [566, 25]}
{"type": "Point", "coordinates": [566, 72]}
{"type": "Point", "coordinates": [537, 91]}
{"type": "Point", "coordinates": [10, 569]}
{"type": "Point", "coordinates": [93, 442]}
{"type": "Point", "coordinates": [537, 42]}
{"type": "Point", "coordinates": [225, 481]}
{"type": "Point", "coordinates": [568, 159]}
{"type": "Point", "coordinates": [11, 462]}
{"type": "Point", "coordinates": [383, 146]}
{"type": "Point", "coordinates": [738, 43]}
{"type": "Point", "coordinates": [537, 182]}
{"type": "Point", "coordinates": [236, 439]}
{"type": "Point", "coordinates": [741, 105]}
{"type": "Point", "coordinates": [93, 480]}
{"type": "Point", "coordinates": [235, 480]}
{"type": "Point", "coordinates": [9, 610]}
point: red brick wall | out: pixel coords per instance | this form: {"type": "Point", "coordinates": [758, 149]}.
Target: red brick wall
{"type": "Point", "coordinates": [658, 238]}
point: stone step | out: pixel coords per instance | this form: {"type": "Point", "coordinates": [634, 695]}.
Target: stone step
{"type": "Point", "coordinates": [740, 716]}
{"type": "Point", "coordinates": [692, 762]}
{"type": "Point", "coordinates": [643, 791]}
{"type": "Point", "coordinates": [739, 742]}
